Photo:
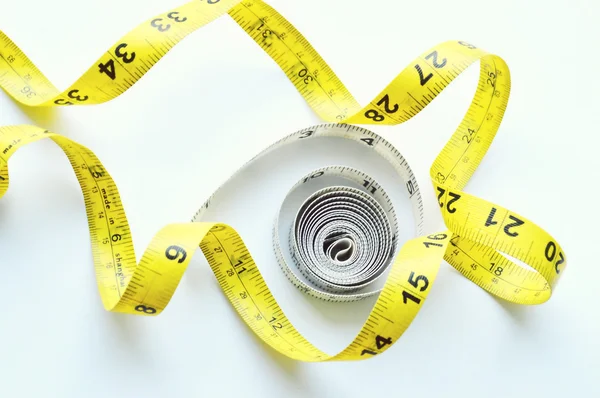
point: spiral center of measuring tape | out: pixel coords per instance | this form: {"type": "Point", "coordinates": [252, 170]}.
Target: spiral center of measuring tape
{"type": "Point", "coordinates": [341, 239]}
{"type": "Point", "coordinates": [339, 248]}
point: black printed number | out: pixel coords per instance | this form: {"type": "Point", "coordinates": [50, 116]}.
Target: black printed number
{"type": "Point", "coordinates": [435, 237]}
{"type": "Point", "coordinates": [423, 79]}
{"type": "Point", "coordinates": [314, 175]}
{"type": "Point", "coordinates": [74, 95]}
{"type": "Point", "coordinates": [385, 101]}
{"type": "Point", "coordinates": [468, 137]}
{"type": "Point", "coordinates": [369, 141]}
{"type": "Point", "coordinates": [415, 282]}
{"type": "Point", "coordinates": [406, 296]}
{"type": "Point", "coordinates": [373, 114]}
{"type": "Point", "coordinates": [551, 255]}
{"type": "Point", "coordinates": [434, 55]}
{"type": "Point", "coordinates": [274, 325]}
{"type": "Point", "coordinates": [96, 171]}
{"type": "Point", "coordinates": [145, 310]}
{"type": "Point", "coordinates": [380, 342]}
{"type": "Point", "coordinates": [28, 92]}
{"type": "Point", "coordinates": [411, 187]}
{"type": "Point", "coordinates": [161, 28]}
{"type": "Point", "coordinates": [173, 252]}
{"type": "Point", "coordinates": [496, 269]}
{"type": "Point", "coordinates": [240, 269]}
{"type": "Point", "coordinates": [62, 101]}
{"type": "Point", "coordinates": [514, 224]}
{"type": "Point", "coordinates": [125, 56]}
{"type": "Point", "coordinates": [369, 185]}
{"type": "Point", "coordinates": [507, 228]}
{"type": "Point", "coordinates": [306, 134]}
{"type": "Point", "coordinates": [454, 197]}
{"type": "Point", "coordinates": [174, 16]}
{"type": "Point", "coordinates": [108, 68]}
{"type": "Point", "coordinates": [304, 74]}
{"type": "Point", "coordinates": [490, 219]}
{"type": "Point", "coordinates": [368, 352]}
{"type": "Point", "coordinates": [492, 79]}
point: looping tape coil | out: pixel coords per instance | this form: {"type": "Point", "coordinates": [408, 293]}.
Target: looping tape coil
{"type": "Point", "coordinates": [341, 236]}
{"type": "Point", "coordinates": [342, 239]}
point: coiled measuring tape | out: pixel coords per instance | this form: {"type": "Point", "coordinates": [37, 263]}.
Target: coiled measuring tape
{"type": "Point", "coordinates": [342, 211]}
{"type": "Point", "coordinates": [478, 231]}
{"type": "Point", "coordinates": [343, 237]}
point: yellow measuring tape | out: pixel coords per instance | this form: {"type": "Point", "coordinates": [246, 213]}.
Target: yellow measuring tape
{"type": "Point", "coordinates": [478, 231]}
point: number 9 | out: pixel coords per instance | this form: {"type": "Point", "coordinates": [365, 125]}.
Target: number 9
{"type": "Point", "coordinates": [178, 250]}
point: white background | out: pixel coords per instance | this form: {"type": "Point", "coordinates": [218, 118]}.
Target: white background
{"type": "Point", "coordinates": [218, 98]}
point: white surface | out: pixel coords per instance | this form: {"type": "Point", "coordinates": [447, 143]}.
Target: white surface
{"type": "Point", "coordinates": [162, 139]}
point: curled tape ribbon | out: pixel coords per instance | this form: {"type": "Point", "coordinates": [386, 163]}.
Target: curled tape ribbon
{"type": "Point", "coordinates": [478, 233]}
